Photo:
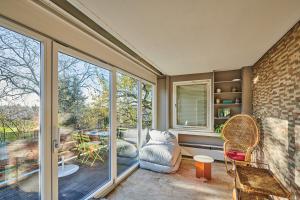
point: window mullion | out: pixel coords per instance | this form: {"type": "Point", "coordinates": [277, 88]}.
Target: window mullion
{"type": "Point", "coordinates": [113, 125]}
{"type": "Point", "coordinates": [140, 114]}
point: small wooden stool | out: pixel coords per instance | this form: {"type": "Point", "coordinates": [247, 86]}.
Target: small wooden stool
{"type": "Point", "coordinates": [203, 166]}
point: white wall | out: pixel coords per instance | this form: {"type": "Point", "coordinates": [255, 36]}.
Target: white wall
{"type": "Point", "coordinates": [40, 19]}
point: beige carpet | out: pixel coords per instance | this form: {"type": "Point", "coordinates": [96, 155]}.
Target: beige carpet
{"type": "Point", "coordinates": [183, 185]}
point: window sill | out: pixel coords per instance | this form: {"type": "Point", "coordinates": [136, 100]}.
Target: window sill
{"type": "Point", "coordinates": [188, 131]}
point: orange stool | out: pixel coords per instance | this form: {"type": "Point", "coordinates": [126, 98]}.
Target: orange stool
{"type": "Point", "coordinates": [203, 166]}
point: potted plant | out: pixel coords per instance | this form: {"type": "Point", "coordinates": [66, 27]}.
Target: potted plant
{"type": "Point", "coordinates": [218, 129]}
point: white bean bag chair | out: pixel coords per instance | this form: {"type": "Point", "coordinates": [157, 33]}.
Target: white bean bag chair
{"type": "Point", "coordinates": [161, 153]}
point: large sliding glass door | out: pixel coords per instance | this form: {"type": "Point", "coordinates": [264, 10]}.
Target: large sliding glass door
{"type": "Point", "coordinates": [84, 154]}
{"type": "Point", "coordinates": [21, 72]}
{"type": "Point", "coordinates": [70, 125]}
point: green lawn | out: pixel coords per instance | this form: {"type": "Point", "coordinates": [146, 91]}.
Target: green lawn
{"type": "Point", "coordinates": [10, 135]}
{"type": "Point", "coordinates": [7, 130]}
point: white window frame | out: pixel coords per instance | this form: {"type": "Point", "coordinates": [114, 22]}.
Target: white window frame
{"type": "Point", "coordinates": [45, 186]}
{"type": "Point", "coordinates": [209, 104]}
{"type": "Point", "coordinates": [58, 48]}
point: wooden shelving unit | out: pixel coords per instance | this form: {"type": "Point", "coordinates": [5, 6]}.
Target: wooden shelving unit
{"type": "Point", "coordinates": [226, 81]}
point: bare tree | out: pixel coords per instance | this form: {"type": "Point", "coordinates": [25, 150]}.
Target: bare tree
{"type": "Point", "coordinates": [19, 65]}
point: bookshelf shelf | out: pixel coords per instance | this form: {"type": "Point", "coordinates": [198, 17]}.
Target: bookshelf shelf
{"type": "Point", "coordinates": [222, 118]}
{"type": "Point", "coordinates": [229, 104]}
{"type": "Point", "coordinates": [220, 93]}
{"type": "Point", "coordinates": [219, 82]}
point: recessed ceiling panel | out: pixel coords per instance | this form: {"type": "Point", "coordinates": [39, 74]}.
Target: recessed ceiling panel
{"type": "Point", "coordinates": [194, 36]}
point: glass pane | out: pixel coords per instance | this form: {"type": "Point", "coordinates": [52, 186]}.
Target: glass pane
{"type": "Point", "coordinates": [192, 105]}
{"type": "Point", "coordinates": [20, 66]}
{"type": "Point", "coordinates": [83, 114]}
{"type": "Point", "coordinates": [127, 132]}
{"type": "Point", "coordinates": [147, 96]}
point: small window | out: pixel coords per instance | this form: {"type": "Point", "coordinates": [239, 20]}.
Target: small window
{"type": "Point", "coordinates": [192, 104]}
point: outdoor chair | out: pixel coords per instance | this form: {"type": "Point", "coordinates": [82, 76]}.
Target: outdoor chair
{"type": "Point", "coordinates": [241, 136]}
{"type": "Point", "coordinates": [87, 149]}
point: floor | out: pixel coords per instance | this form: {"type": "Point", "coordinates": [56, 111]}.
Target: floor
{"type": "Point", "coordinates": [183, 185]}
{"type": "Point", "coordinates": [72, 187]}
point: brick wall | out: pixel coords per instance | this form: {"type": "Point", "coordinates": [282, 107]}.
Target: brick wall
{"type": "Point", "coordinates": [276, 105]}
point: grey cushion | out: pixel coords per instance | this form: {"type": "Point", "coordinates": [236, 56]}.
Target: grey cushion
{"type": "Point", "coordinates": [160, 153]}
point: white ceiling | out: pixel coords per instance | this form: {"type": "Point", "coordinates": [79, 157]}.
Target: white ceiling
{"type": "Point", "coordinates": [194, 36]}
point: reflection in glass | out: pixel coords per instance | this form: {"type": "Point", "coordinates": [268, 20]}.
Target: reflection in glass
{"type": "Point", "coordinates": [20, 66]}
{"type": "Point", "coordinates": [147, 95]}
{"type": "Point", "coordinates": [127, 132]}
{"type": "Point", "coordinates": [84, 127]}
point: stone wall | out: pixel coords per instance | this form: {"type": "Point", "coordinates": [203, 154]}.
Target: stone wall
{"type": "Point", "coordinates": [276, 105]}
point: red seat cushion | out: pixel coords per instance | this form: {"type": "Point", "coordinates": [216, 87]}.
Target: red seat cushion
{"type": "Point", "coordinates": [236, 155]}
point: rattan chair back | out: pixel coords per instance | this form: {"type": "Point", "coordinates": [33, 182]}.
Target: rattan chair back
{"type": "Point", "coordinates": [242, 130]}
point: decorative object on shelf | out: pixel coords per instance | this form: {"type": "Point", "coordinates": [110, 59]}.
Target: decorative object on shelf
{"type": "Point", "coordinates": [227, 101]}
{"type": "Point", "coordinates": [224, 112]}
{"type": "Point", "coordinates": [220, 112]}
{"type": "Point", "coordinates": [218, 101]}
{"type": "Point", "coordinates": [219, 90]}
{"type": "Point", "coordinates": [233, 89]}
{"type": "Point", "coordinates": [237, 100]}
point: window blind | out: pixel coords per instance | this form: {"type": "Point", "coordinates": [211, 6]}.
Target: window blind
{"type": "Point", "coordinates": [191, 105]}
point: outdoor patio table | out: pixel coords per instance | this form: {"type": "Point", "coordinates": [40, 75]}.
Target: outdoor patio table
{"type": "Point", "coordinates": [66, 170]}
{"type": "Point", "coordinates": [97, 133]}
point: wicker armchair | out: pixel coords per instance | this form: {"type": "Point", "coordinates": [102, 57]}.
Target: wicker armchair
{"type": "Point", "coordinates": [241, 135]}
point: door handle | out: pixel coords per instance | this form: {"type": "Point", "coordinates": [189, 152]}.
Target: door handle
{"type": "Point", "coordinates": [55, 146]}
{"type": "Point", "coordinates": [56, 141]}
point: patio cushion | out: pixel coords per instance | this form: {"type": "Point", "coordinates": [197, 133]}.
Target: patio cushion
{"type": "Point", "coordinates": [236, 155]}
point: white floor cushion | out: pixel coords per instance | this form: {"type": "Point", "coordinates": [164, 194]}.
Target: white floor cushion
{"type": "Point", "coordinates": [160, 153]}
{"type": "Point", "coordinates": [161, 168]}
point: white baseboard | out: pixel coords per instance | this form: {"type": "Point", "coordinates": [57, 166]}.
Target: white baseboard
{"type": "Point", "coordinates": [191, 151]}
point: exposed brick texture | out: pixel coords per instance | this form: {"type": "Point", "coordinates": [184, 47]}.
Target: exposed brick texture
{"type": "Point", "coordinates": [276, 104]}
